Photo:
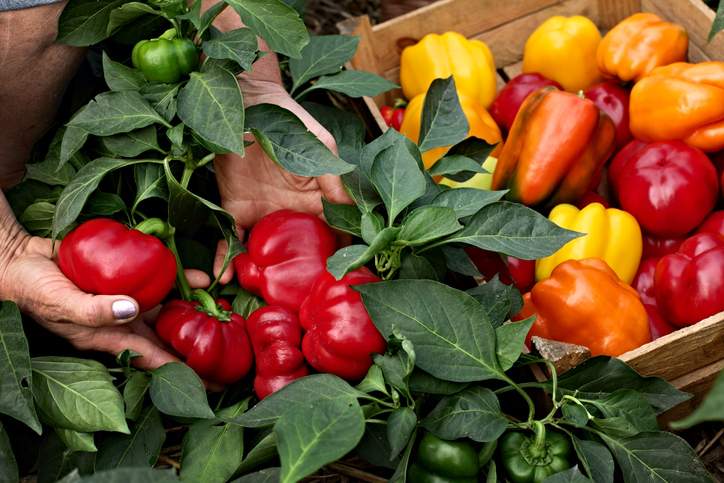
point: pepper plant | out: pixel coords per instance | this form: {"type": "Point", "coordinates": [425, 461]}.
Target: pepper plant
{"type": "Point", "coordinates": [142, 153]}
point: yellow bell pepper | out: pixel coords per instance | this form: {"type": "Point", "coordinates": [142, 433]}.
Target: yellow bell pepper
{"type": "Point", "coordinates": [470, 62]}
{"type": "Point", "coordinates": [563, 49]}
{"type": "Point", "coordinates": [481, 125]}
{"type": "Point", "coordinates": [612, 235]}
{"type": "Point", "coordinates": [481, 181]}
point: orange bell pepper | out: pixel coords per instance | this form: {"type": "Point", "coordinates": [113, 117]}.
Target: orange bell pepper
{"type": "Point", "coordinates": [556, 147]}
{"type": "Point", "coordinates": [681, 101]}
{"type": "Point", "coordinates": [481, 125]}
{"type": "Point", "coordinates": [638, 44]}
{"type": "Point", "coordinates": [585, 303]}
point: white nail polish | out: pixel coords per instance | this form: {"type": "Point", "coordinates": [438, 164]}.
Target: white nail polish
{"type": "Point", "coordinates": [123, 309]}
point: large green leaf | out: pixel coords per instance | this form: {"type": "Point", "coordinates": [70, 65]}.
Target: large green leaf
{"type": "Point", "coordinates": [510, 341]}
{"type": "Point", "coordinates": [571, 475]}
{"type": "Point", "coordinates": [212, 451]}
{"type": "Point", "coordinates": [150, 183]}
{"type": "Point", "coordinates": [56, 461]}
{"type": "Point", "coordinates": [163, 98]}
{"type": "Point", "coordinates": [452, 335]}
{"type": "Point", "coordinates": [131, 144]}
{"type": "Point", "coordinates": [473, 413]}
{"type": "Point", "coordinates": [8, 465]}
{"type": "Point", "coordinates": [287, 141]}
{"type": "Point", "coordinates": [131, 475]}
{"type": "Point", "coordinates": [49, 172]}
{"type": "Point", "coordinates": [77, 441]}
{"type": "Point", "coordinates": [324, 54]}
{"type": "Point", "coordinates": [312, 435]}
{"type": "Point", "coordinates": [134, 393]}
{"type": "Point", "coordinates": [345, 126]}
{"type": "Point", "coordinates": [211, 104]}
{"type": "Point", "coordinates": [499, 300]}
{"type": "Point", "coordinates": [140, 448]}
{"type": "Point", "coordinates": [84, 22]}
{"type": "Point", "coordinates": [120, 77]}
{"type": "Point", "coordinates": [77, 394]}
{"type": "Point", "coordinates": [625, 412]}
{"type": "Point", "coordinates": [353, 83]}
{"type": "Point", "coordinates": [711, 408]}
{"type": "Point", "coordinates": [467, 201]}
{"type": "Point", "coordinates": [239, 45]}
{"type": "Point", "coordinates": [400, 426]}
{"type": "Point", "coordinates": [456, 167]}
{"type": "Point", "coordinates": [16, 398]}
{"type": "Point", "coordinates": [595, 458]}
{"type": "Point", "coordinates": [267, 475]}
{"type": "Point", "coordinates": [127, 13]}
{"type": "Point", "coordinates": [274, 21]}
{"type": "Point", "coordinates": [116, 112]}
{"type": "Point", "coordinates": [346, 218]}
{"type": "Point", "coordinates": [514, 230]}
{"type": "Point", "coordinates": [443, 120]}
{"type": "Point", "coordinates": [303, 391]}
{"type": "Point", "coordinates": [176, 390]}
{"type": "Point", "coordinates": [73, 139]}
{"type": "Point", "coordinates": [428, 223]}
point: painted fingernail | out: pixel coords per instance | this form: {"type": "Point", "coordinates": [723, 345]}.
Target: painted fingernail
{"type": "Point", "coordinates": [123, 309]}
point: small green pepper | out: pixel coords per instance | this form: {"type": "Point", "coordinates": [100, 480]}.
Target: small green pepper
{"type": "Point", "coordinates": [165, 59]}
{"type": "Point", "coordinates": [440, 461]}
{"type": "Point", "coordinates": [529, 459]}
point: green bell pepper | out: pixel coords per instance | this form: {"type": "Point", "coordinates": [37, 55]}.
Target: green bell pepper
{"type": "Point", "coordinates": [529, 459]}
{"type": "Point", "coordinates": [440, 461]}
{"type": "Point", "coordinates": [165, 59]}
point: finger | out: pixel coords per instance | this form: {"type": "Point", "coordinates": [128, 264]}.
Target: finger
{"type": "Point", "coordinates": [333, 189]}
{"type": "Point", "coordinates": [221, 250]}
{"type": "Point", "coordinates": [197, 278]}
{"type": "Point", "coordinates": [116, 340]}
{"type": "Point", "coordinates": [71, 305]}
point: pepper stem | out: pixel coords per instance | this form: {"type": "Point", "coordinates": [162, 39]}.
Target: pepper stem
{"type": "Point", "coordinates": [156, 227]}
{"type": "Point", "coordinates": [181, 281]}
{"type": "Point", "coordinates": [540, 438]}
{"type": "Point", "coordinates": [208, 305]}
{"type": "Point", "coordinates": [171, 33]}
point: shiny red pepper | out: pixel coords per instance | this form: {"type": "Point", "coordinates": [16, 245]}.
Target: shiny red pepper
{"type": "Point", "coordinates": [276, 337]}
{"type": "Point", "coordinates": [209, 335]}
{"type": "Point", "coordinates": [340, 337]}
{"type": "Point", "coordinates": [654, 247]}
{"type": "Point", "coordinates": [613, 100]}
{"type": "Point", "coordinates": [286, 252]}
{"type": "Point", "coordinates": [689, 284]}
{"type": "Point", "coordinates": [668, 186]}
{"type": "Point", "coordinates": [509, 99]}
{"type": "Point", "coordinates": [714, 223]}
{"type": "Point", "coordinates": [510, 270]}
{"type": "Point", "coordinates": [644, 285]}
{"type": "Point", "coordinates": [393, 116]}
{"type": "Point", "coordinates": [103, 256]}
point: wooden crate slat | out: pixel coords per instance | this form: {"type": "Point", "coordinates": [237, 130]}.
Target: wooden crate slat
{"type": "Point", "coordinates": [610, 12]}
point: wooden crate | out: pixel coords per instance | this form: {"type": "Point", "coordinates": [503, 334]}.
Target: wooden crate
{"type": "Point", "coordinates": [689, 358]}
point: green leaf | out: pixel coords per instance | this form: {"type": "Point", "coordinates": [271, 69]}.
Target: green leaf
{"type": "Point", "coordinates": [264, 452]}
{"type": "Point", "coordinates": [56, 461]}
{"type": "Point", "coordinates": [127, 13]}
{"type": "Point", "coordinates": [397, 176]}
{"type": "Point", "coordinates": [473, 413]}
{"type": "Point", "coordinates": [400, 427]}
{"type": "Point", "coordinates": [75, 194]}
{"type": "Point", "coordinates": [400, 475]}
{"type": "Point", "coordinates": [73, 139]}
{"type": "Point", "coordinates": [287, 141]}
{"type": "Point", "coordinates": [424, 382]}
{"type": "Point", "coordinates": [474, 148]}
{"type": "Point", "coordinates": [208, 17]}
{"type": "Point", "coordinates": [514, 230]}
{"type": "Point", "coordinates": [163, 98]}
{"type": "Point", "coordinates": [352, 257]}
{"type": "Point", "coordinates": [352, 83]}
{"type": "Point", "coordinates": [571, 475]}
{"type": "Point", "coordinates": [373, 381]}
{"type": "Point", "coordinates": [134, 393]}
{"type": "Point", "coordinates": [345, 126]}
{"type": "Point", "coordinates": [710, 409]}
{"type": "Point", "coordinates": [416, 266]}
{"type": "Point", "coordinates": [38, 218]}
{"type": "Point", "coordinates": [718, 24]}
{"type": "Point", "coordinates": [176, 390]}
{"type": "Point", "coordinates": [150, 183]}
{"type": "Point", "coordinates": [104, 204]}
{"type": "Point", "coordinates": [246, 303]}
{"type": "Point", "coordinates": [76, 441]}
{"type": "Point", "coordinates": [239, 45]}
{"type": "Point", "coordinates": [501, 301]}
{"type": "Point", "coordinates": [303, 391]}
{"type": "Point", "coordinates": [140, 448]}
{"type": "Point", "coordinates": [116, 112]}
{"type": "Point", "coordinates": [656, 457]}
{"type": "Point", "coordinates": [324, 54]}
{"type": "Point", "coordinates": [267, 475]}
{"type": "Point", "coordinates": [77, 394]}
{"type": "Point", "coordinates": [371, 224]}
{"type": "Point", "coordinates": [595, 458]}
{"type": "Point", "coordinates": [8, 465]}
{"type": "Point", "coordinates": [608, 375]}
{"type": "Point", "coordinates": [176, 135]}
{"type": "Point", "coordinates": [84, 22]}
{"type": "Point", "coordinates": [626, 412]}
{"type": "Point", "coordinates": [131, 475]}
{"type": "Point", "coordinates": [346, 218]}
{"type": "Point", "coordinates": [428, 223]}
{"type": "Point", "coordinates": [443, 120]}
{"type": "Point", "coordinates": [511, 340]}
{"type": "Point", "coordinates": [456, 164]}
{"type": "Point", "coordinates": [450, 329]}
{"type": "Point", "coordinates": [467, 201]}
{"type": "Point", "coordinates": [211, 104]}
{"type": "Point", "coordinates": [312, 435]}
{"type": "Point", "coordinates": [274, 21]}
{"type": "Point", "coordinates": [458, 261]}
{"type": "Point", "coordinates": [212, 451]}
{"type": "Point", "coordinates": [49, 172]}
{"type": "Point", "coordinates": [119, 77]}
{"type": "Point", "coordinates": [131, 144]}
{"type": "Point", "coordinates": [365, 196]}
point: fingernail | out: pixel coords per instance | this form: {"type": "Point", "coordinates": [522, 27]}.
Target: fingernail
{"type": "Point", "coordinates": [123, 309]}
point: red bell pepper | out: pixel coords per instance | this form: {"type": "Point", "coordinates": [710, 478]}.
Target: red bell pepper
{"type": "Point", "coordinates": [668, 186]}
{"type": "Point", "coordinates": [511, 97]}
{"type": "Point", "coordinates": [276, 337]}
{"type": "Point", "coordinates": [714, 223]}
{"type": "Point", "coordinates": [104, 257]}
{"type": "Point", "coordinates": [510, 270]}
{"type": "Point", "coordinates": [689, 284]}
{"type": "Point", "coordinates": [286, 253]}
{"type": "Point", "coordinates": [654, 247]}
{"type": "Point", "coordinates": [209, 335]}
{"type": "Point", "coordinates": [340, 337]}
{"type": "Point", "coordinates": [613, 100]}
{"type": "Point", "coordinates": [393, 116]}
{"type": "Point", "coordinates": [658, 326]}
{"type": "Point", "coordinates": [644, 285]}
{"type": "Point", "coordinates": [592, 197]}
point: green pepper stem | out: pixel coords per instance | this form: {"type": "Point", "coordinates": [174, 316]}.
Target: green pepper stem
{"type": "Point", "coordinates": [524, 395]}
{"type": "Point", "coordinates": [540, 436]}
{"type": "Point", "coordinates": [186, 176]}
{"type": "Point", "coordinates": [171, 33]}
{"type": "Point", "coordinates": [156, 227]}
{"type": "Point", "coordinates": [181, 281]}
{"type": "Point", "coordinates": [208, 304]}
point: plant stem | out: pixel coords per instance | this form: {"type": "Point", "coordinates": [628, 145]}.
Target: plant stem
{"type": "Point", "coordinates": [524, 395]}
{"type": "Point", "coordinates": [186, 176]}
{"type": "Point", "coordinates": [181, 281]}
